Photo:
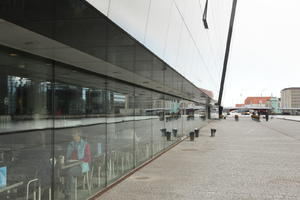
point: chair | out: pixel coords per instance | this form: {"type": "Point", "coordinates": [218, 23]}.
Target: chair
{"type": "Point", "coordinates": [34, 191]}
{"type": "Point", "coordinates": [86, 182]}
{"type": "Point", "coordinates": [87, 179]}
{"type": "Point", "coordinates": [97, 165]}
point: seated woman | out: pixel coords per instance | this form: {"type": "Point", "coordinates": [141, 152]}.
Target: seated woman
{"type": "Point", "coordinates": [78, 149]}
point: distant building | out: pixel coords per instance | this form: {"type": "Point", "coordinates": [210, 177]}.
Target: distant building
{"type": "Point", "coordinates": [274, 104]}
{"type": "Point", "coordinates": [261, 104]}
{"type": "Point", "coordinates": [258, 102]}
{"type": "Point", "coordinates": [290, 100]}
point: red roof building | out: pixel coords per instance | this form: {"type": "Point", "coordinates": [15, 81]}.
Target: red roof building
{"type": "Point", "coordinates": [256, 100]}
{"type": "Point", "coordinates": [239, 105]}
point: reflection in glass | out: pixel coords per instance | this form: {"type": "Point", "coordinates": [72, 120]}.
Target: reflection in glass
{"type": "Point", "coordinates": [80, 133]}
{"type": "Point", "coordinates": [158, 122]}
{"type": "Point", "coordinates": [120, 129]}
{"type": "Point", "coordinates": [25, 126]}
{"type": "Point", "coordinates": [142, 125]}
{"type": "Point", "coordinates": [70, 133]}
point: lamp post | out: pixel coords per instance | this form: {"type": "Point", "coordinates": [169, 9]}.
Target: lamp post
{"type": "Point", "coordinates": [262, 91]}
{"type": "Point", "coordinates": [226, 56]}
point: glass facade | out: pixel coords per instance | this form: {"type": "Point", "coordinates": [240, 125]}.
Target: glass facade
{"type": "Point", "coordinates": [44, 105]}
{"type": "Point", "coordinates": [67, 131]}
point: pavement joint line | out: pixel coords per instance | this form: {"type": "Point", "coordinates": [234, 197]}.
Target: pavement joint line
{"type": "Point", "coordinates": [278, 131]}
{"type": "Point", "coordinates": [265, 152]}
{"type": "Point", "coordinates": [293, 120]}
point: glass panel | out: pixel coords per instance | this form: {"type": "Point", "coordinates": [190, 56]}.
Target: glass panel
{"type": "Point", "coordinates": [172, 119]}
{"type": "Point", "coordinates": [120, 129]}
{"type": "Point", "coordinates": [144, 62]}
{"type": "Point", "coordinates": [168, 119]}
{"type": "Point", "coordinates": [184, 117]}
{"type": "Point", "coordinates": [143, 125]}
{"type": "Point", "coordinates": [176, 119]}
{"type": "Point", "coordinates": [25, 125]}
{"type": "Point", "coordinates": [80, 134]}
{"type": "Point", "coordinates": [158, 122]}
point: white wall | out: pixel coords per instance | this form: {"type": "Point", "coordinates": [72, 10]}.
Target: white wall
{"type": "Point", "coordinates": [174, 31]}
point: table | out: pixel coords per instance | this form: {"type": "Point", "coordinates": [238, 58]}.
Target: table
{"type": "Point", "coordinates": [10, 187]}
{"type": "Point", "coordinates": [71, 164]}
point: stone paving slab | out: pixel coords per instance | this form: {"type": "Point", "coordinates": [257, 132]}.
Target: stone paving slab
{"type": "Point", "coordinates": [246, 160]}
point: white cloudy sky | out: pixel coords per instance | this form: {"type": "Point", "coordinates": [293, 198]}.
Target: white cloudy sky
{"type": "Point", "coordinates": [265, 52]}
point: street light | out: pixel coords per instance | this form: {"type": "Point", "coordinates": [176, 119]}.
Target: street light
{"type": "Point", "coordinates": [226, 55]}
{"type": "Point", "coordinates": [262, 91]}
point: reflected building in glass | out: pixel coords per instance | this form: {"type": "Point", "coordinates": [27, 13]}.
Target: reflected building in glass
{"type": "Point", "coordinates": [83, 101]}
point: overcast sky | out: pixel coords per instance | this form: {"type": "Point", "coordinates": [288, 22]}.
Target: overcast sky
{"type": "Point", "coordinates": [265, 52]}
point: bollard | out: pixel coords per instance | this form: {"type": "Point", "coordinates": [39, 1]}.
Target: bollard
{"type": "Point", "coordinates": [168, 134]}
{"type": "Point", "coordinates": [236, 117]}
{"type": "Point", "coordinates": [192, 135]}
{"type": "Point", "coordinates": [212, 132]}
{"type": "Point", "coordinates": [163, 131]}
{"type": "Point", "coordinates": [197, 132]}
{"type": "Point", "coordinates": [175, 132]}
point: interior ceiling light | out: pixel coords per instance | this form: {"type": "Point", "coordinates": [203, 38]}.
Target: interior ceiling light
{"type": "Point", "coordinates": [13, 54]}
{"type": "Point", "coordinates": [204, 17]}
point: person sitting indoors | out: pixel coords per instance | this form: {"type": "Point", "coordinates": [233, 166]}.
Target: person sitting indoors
{"type": "Point", "coordinates": [78, 149]}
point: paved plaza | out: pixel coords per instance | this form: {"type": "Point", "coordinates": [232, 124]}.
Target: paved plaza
{"type": "Point", "coordinates": [246, 160]}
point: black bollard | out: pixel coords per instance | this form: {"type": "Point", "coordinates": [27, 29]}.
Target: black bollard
{"type": "Point", "coordinates": [175, 130]}
{"type": "Point", "coordinates": [192, 135]}
{"type": "Point", "coordinates": [163, 131]}
{"type": "Point", "coordinates": [236, 117]}
{"type": "Point", "coordinates": [168, 134]}
{"type": "Point", "coordinates": [197, 132]}
{"type": "Point", "coordinates": [213, 132]}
